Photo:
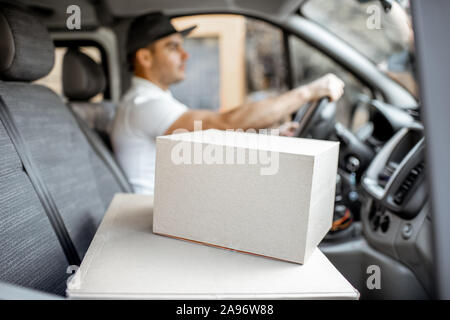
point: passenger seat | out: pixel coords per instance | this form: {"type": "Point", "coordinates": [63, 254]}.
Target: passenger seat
{"type": "Point", "coordinates": [76, 176]}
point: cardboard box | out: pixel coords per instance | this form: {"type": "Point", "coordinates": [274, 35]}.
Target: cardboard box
{"type": "Point", "coordinates": [127, 261]}
{"type": "Point", "coordinates": [255, 193]}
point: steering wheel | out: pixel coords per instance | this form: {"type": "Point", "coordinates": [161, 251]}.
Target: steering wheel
{"type": "Point", "coordinates": [316, 119]}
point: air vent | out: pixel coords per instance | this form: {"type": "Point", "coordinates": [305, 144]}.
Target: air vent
{"type": "Point", "coordinates": [385, 175]}
{"type": "Point", "coordinates": [406, 186]}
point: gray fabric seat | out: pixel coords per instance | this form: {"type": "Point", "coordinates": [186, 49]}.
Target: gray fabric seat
{"type": "Point", "coordinates": [78, 180]}
{"type": "Point", "coordinates": [30, 254]}
{"type": "Point", "coordinates": [83, 79]}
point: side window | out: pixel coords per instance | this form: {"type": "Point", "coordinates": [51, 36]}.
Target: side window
{"type": "Point", "coordinates": [54, 79]}
{"type": "Point", "coordinates": [309, 64]}
{"type": "Point", "coordinates": [265, 57]}
{"type": "Point", "coordinates": [233, 59]}
{"type": "Point", "coordinates": [384, 36]}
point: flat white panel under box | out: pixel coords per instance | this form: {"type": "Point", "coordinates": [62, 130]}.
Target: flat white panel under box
{"type": "Point", "coordinates": [261, 194]}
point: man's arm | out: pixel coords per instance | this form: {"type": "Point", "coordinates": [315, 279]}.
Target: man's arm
{"type": "Point", "coordinates": [261, 114]}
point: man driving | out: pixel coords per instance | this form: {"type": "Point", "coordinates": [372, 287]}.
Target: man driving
{"type": "Point", "coordinates": [148, 109]}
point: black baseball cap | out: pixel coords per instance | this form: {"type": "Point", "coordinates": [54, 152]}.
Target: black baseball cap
{"type": "Point", "coordinates": [146, 29]}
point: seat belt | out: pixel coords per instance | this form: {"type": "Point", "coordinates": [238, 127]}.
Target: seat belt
{"type": "Point", "coordinates": [39, 186]}
{"type": "Point", "coordinates": [101, 151]}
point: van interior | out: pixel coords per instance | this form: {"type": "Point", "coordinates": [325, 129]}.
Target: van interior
{"type": "Point", "coordinates": [61, 84]}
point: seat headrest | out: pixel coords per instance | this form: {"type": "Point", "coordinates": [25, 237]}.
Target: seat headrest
{"type": "Point", "coordinates": [83, 78]}
{"type": "Point", "coordinates": [26, 49]}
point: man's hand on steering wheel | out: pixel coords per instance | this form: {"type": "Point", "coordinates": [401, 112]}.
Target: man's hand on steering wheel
{"type": "Point", "coordinates": [288, 129]}
{"type": "Point", "coordinates": [327, 86]}
{"type": "Point", "coordinates": [323, 92]}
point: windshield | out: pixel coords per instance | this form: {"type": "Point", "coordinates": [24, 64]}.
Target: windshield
{"type": "Point", "coordinates": [381, 30]}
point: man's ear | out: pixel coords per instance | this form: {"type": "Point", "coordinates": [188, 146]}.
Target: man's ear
{"type": "Point", "coordinates": [144, 58]}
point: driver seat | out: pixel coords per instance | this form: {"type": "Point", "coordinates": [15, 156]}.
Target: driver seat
{"type": "Point", "coordinates": [83, 79]}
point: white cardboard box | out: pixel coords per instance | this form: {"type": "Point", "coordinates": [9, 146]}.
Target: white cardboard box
{"type": "Point", "coordinates": [127, 261]}
{"type": "Point", "coordinates": [276, 202]}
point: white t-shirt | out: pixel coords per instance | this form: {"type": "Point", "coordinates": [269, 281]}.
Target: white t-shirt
{"type": "Point", "coordinates": [145, 112]}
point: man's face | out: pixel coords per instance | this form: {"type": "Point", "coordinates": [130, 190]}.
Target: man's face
{"type": "Point", "coordinates": [169, 59]}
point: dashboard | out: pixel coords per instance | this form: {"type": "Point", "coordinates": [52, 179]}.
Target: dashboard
{"type": "Point", "coordinates": [396, 218]}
